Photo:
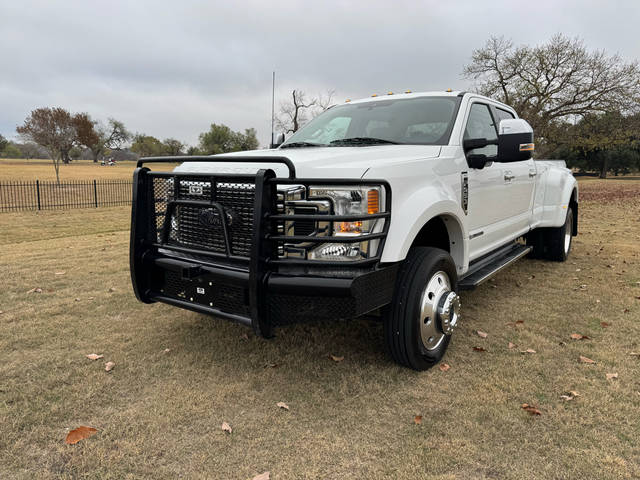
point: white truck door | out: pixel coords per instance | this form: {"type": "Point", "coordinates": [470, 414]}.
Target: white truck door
{"type": "Point", "coordinates": [486, 215]}
{"type": "Point", "coordinates": [519, 179]}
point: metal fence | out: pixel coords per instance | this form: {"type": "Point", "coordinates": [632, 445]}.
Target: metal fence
{"type": "Point", "coordinates": [49, 195]}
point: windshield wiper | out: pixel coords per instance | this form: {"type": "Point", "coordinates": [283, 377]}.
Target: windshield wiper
{"type": "Point", "coordinates": [362, 141]}
{"type": "Point", "coordinates": [302, 144]}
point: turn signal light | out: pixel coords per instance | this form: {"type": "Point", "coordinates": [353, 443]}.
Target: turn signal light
{"type": "Point", "coordinates": [373, 201]}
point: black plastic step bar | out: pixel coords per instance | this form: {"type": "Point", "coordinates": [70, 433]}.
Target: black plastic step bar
{"type": "Point", "coordinates": [486, 267]}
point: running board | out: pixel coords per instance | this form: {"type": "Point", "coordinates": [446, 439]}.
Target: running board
{"type": "Point", "coordinates": [486, 267]}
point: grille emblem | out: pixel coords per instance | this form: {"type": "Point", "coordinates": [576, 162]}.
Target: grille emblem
{"type": "Point", "coordinates": [195, 189]}
{"type": "Point", "coordinates": [210, 217]}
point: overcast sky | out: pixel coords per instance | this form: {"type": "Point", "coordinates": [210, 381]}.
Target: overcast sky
{"type": "Point", "coordinates": [171, 68]}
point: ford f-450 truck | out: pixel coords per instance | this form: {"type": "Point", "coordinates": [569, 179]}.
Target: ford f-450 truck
{"type": "Point", "coordinates": [392, 204]}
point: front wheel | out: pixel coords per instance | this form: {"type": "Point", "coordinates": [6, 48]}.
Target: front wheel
{"type": "Point", "coordinates": [425, 309]}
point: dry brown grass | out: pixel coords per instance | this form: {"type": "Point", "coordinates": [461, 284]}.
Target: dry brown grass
{"type": "Point", "coordinates": [36, 169]}
{"type": "Point", "coordinates": [159, 415]}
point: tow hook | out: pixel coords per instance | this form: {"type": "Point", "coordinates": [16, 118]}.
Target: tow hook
{"type": "Point", "coordinates": [448, 312]}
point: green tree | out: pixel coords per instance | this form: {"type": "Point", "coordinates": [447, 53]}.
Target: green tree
{"type": "Point", "coordinates": [11, 151]}
{"type": "Point", "coordinates": [173, 147]}
{"type": "Point", "coordinates": [3, 143]}
{"type": "Point", "coordinates": [603, 143]}
{"type": "Point", "coordinates": [221, 139]}
{"type": "Point", "coordinates": [147, 146]}
{"type": "Point", "coordinates": [554, 82]}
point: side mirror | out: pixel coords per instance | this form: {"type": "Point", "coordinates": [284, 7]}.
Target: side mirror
{"type": "Point", "coordinates": [472, 143]}
{"type": "Point", "coordinates": [515, 140]}
{"type": "Point", "coordinates": [477, 160]}
{"type": "Point", "coordinates": [279, 141]}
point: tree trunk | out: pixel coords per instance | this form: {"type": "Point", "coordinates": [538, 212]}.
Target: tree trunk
{"type": "Point", "coordinates": [603, 167]}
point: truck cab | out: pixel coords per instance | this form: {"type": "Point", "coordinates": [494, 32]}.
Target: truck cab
{"type": "Point", "coordinates": [392, 204]}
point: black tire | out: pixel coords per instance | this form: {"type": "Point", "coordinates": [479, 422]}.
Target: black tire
{"type": "Point", "coordinates": [549, 243]}
{"type": "Point", "coordinates": [402, 328]}
{"type": "Point", "coordinates": [558, 250]}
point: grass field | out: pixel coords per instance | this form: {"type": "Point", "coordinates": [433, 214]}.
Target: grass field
{"type": "Point", "coordinates": [159, 413]}
{"type": "Point", "coordinates": [36, 169]}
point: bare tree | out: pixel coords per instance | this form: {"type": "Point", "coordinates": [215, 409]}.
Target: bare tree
{"type": "Point", "coordinates": [54, 129]}
{"type": "Point", "coordinates": [555, 82]}
{"type": "Point", "coordinates": [294, 114]}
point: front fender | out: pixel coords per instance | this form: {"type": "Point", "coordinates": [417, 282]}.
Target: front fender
{"type": "Point", "coordinates": [411, 215]}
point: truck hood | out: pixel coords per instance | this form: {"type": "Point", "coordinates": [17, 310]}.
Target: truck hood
{"type": "Point", "coordinates": [329, 162]}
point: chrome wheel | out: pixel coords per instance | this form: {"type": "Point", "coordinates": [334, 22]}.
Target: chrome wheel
{"type": "Point", "coordinates": [439, 311]}
{"type": "Point", "coordinates": [567, 235]}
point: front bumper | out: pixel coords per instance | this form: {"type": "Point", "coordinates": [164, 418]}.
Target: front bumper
{"type": "Point", "coordinates": [257, 286]}
{"type": "Point", "coordinates": [220, 291]}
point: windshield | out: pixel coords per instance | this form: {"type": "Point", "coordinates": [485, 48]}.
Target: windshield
{"type": "Point", "coordinates": [409, 121]}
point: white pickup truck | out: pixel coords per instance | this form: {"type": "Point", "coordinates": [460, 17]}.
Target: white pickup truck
{"type": "Point", "coordinates": [391, 204]}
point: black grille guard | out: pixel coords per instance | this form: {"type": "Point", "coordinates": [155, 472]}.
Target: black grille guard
{"type": "Point", "coordinates": [146, 247]}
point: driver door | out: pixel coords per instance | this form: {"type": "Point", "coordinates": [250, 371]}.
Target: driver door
{"type": "Point", "coordinates": [487, 214]}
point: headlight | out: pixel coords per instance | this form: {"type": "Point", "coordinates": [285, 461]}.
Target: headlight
{"type": "Point", "coordinates": [349, 200]}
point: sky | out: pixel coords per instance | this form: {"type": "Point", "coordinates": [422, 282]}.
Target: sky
{"type": "Point", "coordinates": [171, 68]}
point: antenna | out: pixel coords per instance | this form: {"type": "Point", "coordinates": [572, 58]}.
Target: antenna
{"type": "Point", "coordinates": [273, 102]}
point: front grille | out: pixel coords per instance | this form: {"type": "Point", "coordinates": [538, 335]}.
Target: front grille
{"type": "Point", "coordinates": [186, 228]}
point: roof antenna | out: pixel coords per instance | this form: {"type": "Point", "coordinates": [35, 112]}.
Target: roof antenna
{"type": "Point", "coordinates": [273, 102]}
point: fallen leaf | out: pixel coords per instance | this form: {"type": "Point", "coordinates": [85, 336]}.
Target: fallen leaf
{"type": "Point", "coordinates": [635, 354]}
{"type": "Point", "coordinates": [481, 334]}
{"type": "Point", "coordinates": [605, 324]}
{"type": "Point", "coordinates": [226, 427]}
{"type": "Point", "coordinates": [244, 336]}
{"type": "Point", "coordinates": [444, 367]}
{"type": "Point", "coordinates": [586, 360]}
{"type": "Point", "coordinates": [262, 476]}
{"type": "Point", "coordinates": [270, 365]}
{"type": "Point", "coordinates": [35, 290]}
{"type": "Point", "coordinates": [282, 405]}
{"type": "Point", "coordinates": [531, 409]}
{"type": "Point", "coordinates": [77, 299]}
{"type": "Point", "coordinates": [336, 359]}
{"type": "Point", "coordinates": [478, 349]}
{"type": "Point", "coordinates": [511, 345]}
{"type": "Point", "coordinates": [578, 336]}
{"type": "Point", "coordinates": [166, 350]}
{"type": "Point", "coordinates": [528, 350]}
{"type": "Point", "coordinates": [417, 419]}
{"type": "Point", "coordinates": [109, 366]}
{"type": "Point", "coordinates": [60, 273]}
{"type": "Point", "coordinates": [513, 324]}
{"type": "Point", "coordinates": [626, 310]}
{"type": "Point", "coordinates": [111, 289]}
{"type": "Point", "coordinates": [612, 376]}
{"type": "Point", "coordinates": [80, 433]}
{"type": "Point", "coordinates": [570, 395]}
{"type": "Point", "coordinates": [94, 356]}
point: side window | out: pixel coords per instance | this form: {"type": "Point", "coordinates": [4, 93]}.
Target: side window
{"type": "Point", "coordinates": [504, 115]}
{"type": "Point", "coordinates": [480, 125]}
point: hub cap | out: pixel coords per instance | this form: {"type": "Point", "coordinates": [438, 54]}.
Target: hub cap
{"type": "Point", "coordinates": [439, 311]}
{"type": "Point", "coordinates": [567, 237]}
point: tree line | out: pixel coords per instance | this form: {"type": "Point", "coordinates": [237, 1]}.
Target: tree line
{"type": "Point", "coordinates": [63, 137]}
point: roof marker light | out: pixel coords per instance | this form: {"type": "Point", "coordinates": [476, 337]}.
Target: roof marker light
{"type": "Point", "coordinates": [374, 95]}
{"type": "Point", "coordinates": [407, 91]}
{"type": "Point", "coordinates": [347, 100]}
{"type": "Point", "coordinates": [449, 90]}
{"type": "Point", "coordinates": [389, 93]}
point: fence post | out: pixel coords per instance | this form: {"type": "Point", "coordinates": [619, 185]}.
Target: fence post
{"type": "Point", "coordinates": [95, 193]}
{"type": "Point", "coordinates": [38, 192]}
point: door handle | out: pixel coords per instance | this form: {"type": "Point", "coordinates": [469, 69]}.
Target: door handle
{"type": "Point", "coordinates": [508, 176]}
{"type": "Point", "coordinates": [532, 173]}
